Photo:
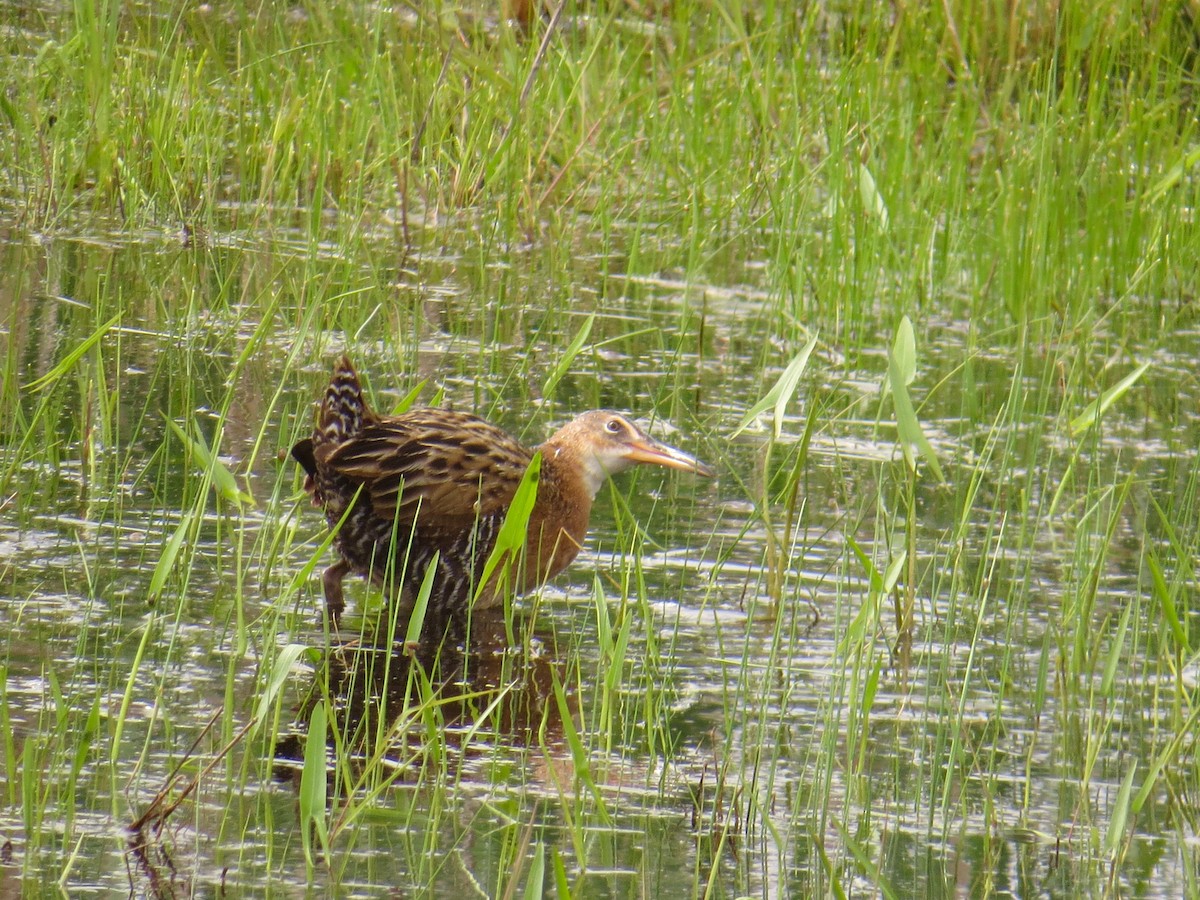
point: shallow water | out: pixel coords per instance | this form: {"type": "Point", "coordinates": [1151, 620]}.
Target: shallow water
{"type": "Point", "coordinates": [760, 749]}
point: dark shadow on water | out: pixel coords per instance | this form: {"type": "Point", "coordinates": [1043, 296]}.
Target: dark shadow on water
{"type": "Point", "coordinates": [464, 686]}
{"type": "Point", "coordinates": [152, 870]}
{"type": "Point", "coordinates": [462, 678]}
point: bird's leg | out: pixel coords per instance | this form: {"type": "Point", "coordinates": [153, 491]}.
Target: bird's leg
{"type": "Point", "coordinates": [335, 601]}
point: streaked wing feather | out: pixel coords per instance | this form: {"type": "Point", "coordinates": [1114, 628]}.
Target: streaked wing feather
{"type": "Point", "coordinates": [434, 461]}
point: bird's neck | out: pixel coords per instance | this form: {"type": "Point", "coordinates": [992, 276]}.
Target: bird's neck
{"type": "Point", "coordinates": [559, 523]}
{"type": "Point", "coordinates": [574, 473]}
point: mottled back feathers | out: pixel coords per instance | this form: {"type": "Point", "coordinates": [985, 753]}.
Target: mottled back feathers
{"type": "Point", "coordinates": [453, 465]}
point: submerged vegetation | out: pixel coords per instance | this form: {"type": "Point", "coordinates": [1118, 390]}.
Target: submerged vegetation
{"type": "Point", "coordinates": [919, 279]}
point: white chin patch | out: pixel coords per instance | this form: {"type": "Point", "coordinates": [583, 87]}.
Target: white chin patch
{"type": "Point", "coordinates": [595, 474]}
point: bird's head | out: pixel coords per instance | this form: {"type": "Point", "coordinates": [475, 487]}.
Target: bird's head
{"type": "Point", "coordinates": [604, 443]}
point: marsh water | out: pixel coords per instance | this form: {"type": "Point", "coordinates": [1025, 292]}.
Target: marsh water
{"type": "Point", "coordinates": [823, 672]}
{"type": "Point", "coordinates": [758, 710]}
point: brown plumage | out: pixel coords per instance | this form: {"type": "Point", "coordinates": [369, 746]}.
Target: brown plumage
{"type": "Point", "coordinates": [436, 481]}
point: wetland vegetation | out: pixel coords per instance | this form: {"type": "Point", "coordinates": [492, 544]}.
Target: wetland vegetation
{"type": "Point", "coordinates": [919, 280]}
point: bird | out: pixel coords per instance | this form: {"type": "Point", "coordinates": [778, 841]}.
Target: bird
{"type": "Point", "coordinates": [434, 484]}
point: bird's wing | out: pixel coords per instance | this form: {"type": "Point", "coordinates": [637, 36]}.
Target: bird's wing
{"type": "Point", "coordinates": [447, 467]}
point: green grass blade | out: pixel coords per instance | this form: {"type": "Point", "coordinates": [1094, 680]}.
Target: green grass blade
{"type": "Point", "coordinates": [872, 199]}
{"type": "Point", "coordinates": [562, 884]}
{"type": "Point", "coordinates": [1169, 756]}
{"type": "Point", "coordinates": [1094, 411]}
{"type": "Point", "coordinates": [904, 354]}
{"type": "Point", "coordinates": [568, 356]}
{"type": "Point", "coordinates": [880, 585]}
{"type": "Point", "coordinates": [579, 753]}
{"type": "Point", "coordinates": [867, 865]}
{"type": "Point", "coordinates": [510, 542]}
{"type": "Point", "coordinates": [281, 674]}
{"type": "Point", "coordinates": [901, 371]}
{"type": "Point", "coordinates": [166, 562]}
{"type": "Point", "coordinates": [223, 481]}
{"type": "Point", "coordinates": [68, 362]}
{"type": "Point", "coordinates": [416, 621]}
{"type": "Point", "coordinates": [314, 783]}
{"type": "Point", "coordinates": [835, 883]}
{"type": "Point", "coordinates": [1120, 812]}
{"type": "Point", "coordinates": [535, 882]}
{"type": "Point", "coordinates": [778, 397]}
{"type": "Point", "coordinates": [409, 399]}
{"type": "Point", "coordinates": [1166, 600]}
{"type": "Point", "coordinates": [1114, 653]}
{"type": "Point", "coordinates": [1174, 176]}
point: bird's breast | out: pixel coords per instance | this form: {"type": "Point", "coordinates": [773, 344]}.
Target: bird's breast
{"type": "Point", "coordinates": [557, 525]}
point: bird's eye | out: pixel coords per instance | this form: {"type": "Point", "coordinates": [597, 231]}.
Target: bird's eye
{"type": "Point", "coordinates": [613, 426]}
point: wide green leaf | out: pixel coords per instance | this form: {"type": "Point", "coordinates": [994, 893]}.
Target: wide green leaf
{"type": "Point", "coordinates": [778, 397]}
{"type": "Point", "coordinates": [1094, 411]}
{"type": "Point", "coordinates": [901, 373]}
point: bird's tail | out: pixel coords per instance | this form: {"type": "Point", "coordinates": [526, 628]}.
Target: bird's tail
{"type": "Point", "coordinates": [344, 410]}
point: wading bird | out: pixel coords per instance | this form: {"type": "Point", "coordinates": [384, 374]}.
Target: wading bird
{"type": "Point", "coordinates": [432, 482]}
